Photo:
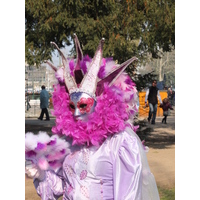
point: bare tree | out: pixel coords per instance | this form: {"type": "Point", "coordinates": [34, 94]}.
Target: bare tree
{"type": "Point", "coordinates": [164, 65]}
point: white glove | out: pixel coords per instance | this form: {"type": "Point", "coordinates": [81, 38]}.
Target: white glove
{"type": "Point", "coordinates": [32, 171]}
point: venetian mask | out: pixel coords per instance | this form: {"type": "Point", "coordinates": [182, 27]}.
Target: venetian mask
{"type": "Point", "coordinates": [81, 105]}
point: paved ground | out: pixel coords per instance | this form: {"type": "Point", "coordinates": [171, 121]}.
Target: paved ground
{"type": "Point", "coordinates": [160, 138]}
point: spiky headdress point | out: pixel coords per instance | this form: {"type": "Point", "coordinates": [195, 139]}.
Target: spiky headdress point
{"type": "Point", "coordinates": [76, 81]}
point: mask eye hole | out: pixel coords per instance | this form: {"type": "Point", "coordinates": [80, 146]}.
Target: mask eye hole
{"type": "Point", "coordinates": [72, 106]}
{"type": "Point", "coordinates": [83, 105]}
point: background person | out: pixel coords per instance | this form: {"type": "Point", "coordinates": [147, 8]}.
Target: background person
{"type": "Point", "coordinates": [173, 98]}
{"type": "Point", "coordinates": [27, 102]}
{"type": "Point", "coordinates": [169, 93]}
{"type": "Point", "coordinates": [166, 106]}
{"type": "Point", "coordinates": [44, 102]}
{"type": "Point", "coordinates": [152, 95]}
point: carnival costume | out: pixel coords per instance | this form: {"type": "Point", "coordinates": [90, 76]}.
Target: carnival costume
{"type": "Point", "coordinates": [94, 152]}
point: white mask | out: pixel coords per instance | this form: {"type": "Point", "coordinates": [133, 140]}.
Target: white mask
{"type": "Point", "coordinates": [81, 105]}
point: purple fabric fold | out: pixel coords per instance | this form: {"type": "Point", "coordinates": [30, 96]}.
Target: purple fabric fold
{"type": "Point", "coordinates": [110, 171]}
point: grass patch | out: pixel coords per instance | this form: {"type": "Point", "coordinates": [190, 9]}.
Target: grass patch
{"type": "Point", "coordinates": [166, 194]}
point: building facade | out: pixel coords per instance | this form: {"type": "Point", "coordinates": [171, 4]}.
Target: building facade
{"type": "Point", "coordinates": [35, 77]}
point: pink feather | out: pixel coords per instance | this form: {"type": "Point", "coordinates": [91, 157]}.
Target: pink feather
{"type": "Point", "coordinates": [109, 117]}
{"type": "Point", "coordinates": [43, 164]}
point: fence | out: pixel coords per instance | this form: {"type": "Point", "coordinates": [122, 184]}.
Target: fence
{"type": "Point", "coordinates": [34, 110]}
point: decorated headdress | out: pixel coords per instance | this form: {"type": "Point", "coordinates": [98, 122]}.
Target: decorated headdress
{"type": "Point", "coordinates": [106, 82]}
{"type": "Point", "coordinates": [89, 83]}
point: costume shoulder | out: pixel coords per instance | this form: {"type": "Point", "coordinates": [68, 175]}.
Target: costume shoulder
{"type": "Point", "coordinates": [129, 137]}
{"type": "Point", "coordinates": [46, 152]}
{"type": "Point", "coordinates": [149, 187]}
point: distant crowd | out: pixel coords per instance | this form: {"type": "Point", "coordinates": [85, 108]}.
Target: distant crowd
{"type": "Point", "coordinates": [171, 96]}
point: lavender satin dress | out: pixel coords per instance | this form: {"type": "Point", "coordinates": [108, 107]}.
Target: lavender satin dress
{"type": "Point", "coordinates": [118, 169]}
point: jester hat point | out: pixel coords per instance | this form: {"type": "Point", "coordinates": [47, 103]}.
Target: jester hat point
{"type": "Point", "coordinates": [76, 79]}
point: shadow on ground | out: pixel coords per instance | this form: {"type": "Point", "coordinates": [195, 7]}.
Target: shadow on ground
{"type": "Point", "coordinates": [159, 136]}
{"type": "Point", "coordinates": [35, 129]}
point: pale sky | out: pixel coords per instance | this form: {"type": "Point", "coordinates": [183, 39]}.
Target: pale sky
{"type": "Point", "coordinates": [55, 55]}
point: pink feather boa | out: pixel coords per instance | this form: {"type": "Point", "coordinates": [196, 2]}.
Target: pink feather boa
{"type": "Point", "coordinates": [109, 117]}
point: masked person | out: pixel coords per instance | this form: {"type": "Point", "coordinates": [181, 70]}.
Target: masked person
{"type": "Point", "coordinates": [94, 152]}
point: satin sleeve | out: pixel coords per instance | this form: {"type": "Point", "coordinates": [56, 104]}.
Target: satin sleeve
{"type": "Point", "coordinates": [127, 169]}
{"type": "Point", "coordinates": [51, 188]}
